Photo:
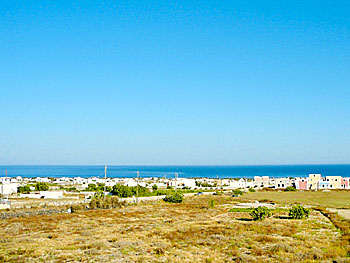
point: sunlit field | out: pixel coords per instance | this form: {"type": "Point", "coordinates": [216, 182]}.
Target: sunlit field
{"type": "Point", "coordinates": [201, 229]}
{"type": "Point", "coordinates": [333, 199]}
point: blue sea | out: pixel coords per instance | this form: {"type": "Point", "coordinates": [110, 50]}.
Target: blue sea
{"type": "Point", "coordinates": [239, 171]}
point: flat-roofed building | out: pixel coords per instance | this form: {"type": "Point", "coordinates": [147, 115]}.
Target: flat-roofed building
{"type": "Point", "coordinates": [313, 181]}
{"type": "Point", "coordinates": [301, 183]}
{"type": "Point", "coordinates": [334, 182]}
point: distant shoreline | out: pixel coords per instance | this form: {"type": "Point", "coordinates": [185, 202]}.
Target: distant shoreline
{"type": "Point", "coordinates": [207, 171]}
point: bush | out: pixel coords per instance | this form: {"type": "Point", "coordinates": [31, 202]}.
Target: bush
{"type": "Point", "coordinates": [23, 189]}
{"type": "Point", "coordinates": [128, 191]}
{"type": "Point", "coordinates": [299, 212]}
{"type": "Point", "coordinates": [174, 198]}
{"type": "Point", "coordinates": [252, 190]}
{"type": "Point", "coordinates": [260, 213]}
{"type": "Point", "coordinates": [155, 187]}
{"type": "Point", "coordinates": [41, 187]}
{"type": "Point", "coordinates": [105, 203]}
{"type": "Point", "coordinates": [290, 189]}
{"type": "Point", "coordinates": [237, 192]}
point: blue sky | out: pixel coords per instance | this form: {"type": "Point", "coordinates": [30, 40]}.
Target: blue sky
{"type": "Point", "coordinates": [174, 82]}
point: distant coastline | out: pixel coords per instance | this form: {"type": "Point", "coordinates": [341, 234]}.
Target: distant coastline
{"type": "Point", "coordinates": [192, 171]}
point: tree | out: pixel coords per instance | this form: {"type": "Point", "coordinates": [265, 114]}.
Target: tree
{"type": "Point", "coordinates": [299, 212]}
{"type": "Point", "coordinates": [260, 213]}
{"type": "Point", "coordinates": [155, 187]}
{"type": "Point", "coordinates": [41, 186]}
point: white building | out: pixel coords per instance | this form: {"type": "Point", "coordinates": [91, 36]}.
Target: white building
{"type": "Point", "coordinates": [261, 181]}
{"type": "Point", "coordinates": [8, 188]}
{"type": "Point", "coordinates": [282, 183]}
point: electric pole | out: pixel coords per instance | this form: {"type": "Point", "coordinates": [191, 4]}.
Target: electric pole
{"type": "Point", "coordinates": [104, 192]}
{"type": "Point", "coordinates": [175, 181]}
{"type": "Point", "coordinates": [137, 188]}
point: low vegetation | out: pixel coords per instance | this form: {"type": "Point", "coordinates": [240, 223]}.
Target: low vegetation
{"type": "Point", "coordinates": [334, 198]}
{"type": "Point", "coordinates": [191, 231]}
{"type": "Point", "coordinates": [299, 212]}
{"type": "Point", "coordinates": [290, 189]}
{"type": "Point", "coordinates": [260, 213]}
{"type": "Point", "coordinates": [174, 197]}
{"type": "Point", "coordinates": [237, 192]}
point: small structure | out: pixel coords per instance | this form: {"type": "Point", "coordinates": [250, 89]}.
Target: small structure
{"type": "Point", "coordinates": [313, 181]}
{"type": "Point", "coordinates": [345, 183]}
{"type": "Point", "coordinates": [8, 188]}
{"type": "Point", "coordinates": [301, 183]}
{"type": "Point", "coordinates": [334, 182]}
{"type": "Point", "coordinates": [281, 183]}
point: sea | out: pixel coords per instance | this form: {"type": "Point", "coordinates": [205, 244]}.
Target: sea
{"type": "Point", "coordinates": [212, 171]}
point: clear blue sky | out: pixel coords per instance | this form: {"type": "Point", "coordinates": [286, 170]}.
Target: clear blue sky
{"type": "Point", "coordinates": [174, 82]}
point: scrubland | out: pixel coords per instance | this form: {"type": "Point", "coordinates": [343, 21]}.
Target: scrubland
{"type": "Point", "coordinates": [334, 199]}
{"type": "Point", "coordinates": [201, 229]}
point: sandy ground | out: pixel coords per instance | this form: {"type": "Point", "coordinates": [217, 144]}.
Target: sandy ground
{"type": "Point", "coordinates": [342, 212]}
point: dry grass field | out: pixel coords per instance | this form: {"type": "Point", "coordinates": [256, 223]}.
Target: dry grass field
{"type": "Point", "coordinates": [330, 199]}
{"type": "Point", "coordinates": [193, 231]}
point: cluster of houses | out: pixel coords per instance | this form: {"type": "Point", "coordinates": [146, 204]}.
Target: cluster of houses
{"type": "Point", "coordinates": [9, 185]}
{"type": "Point", "coordinates": [317, 182]}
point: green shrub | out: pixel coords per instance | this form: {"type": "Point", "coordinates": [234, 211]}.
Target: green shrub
{"type": "Point", "coordinates": [128, 191]}
{"type": "Point", "coordinates": [23, 189]}
{"type": "Point", "coordinates": [237, 192]}
{"type": "Point", "coordinates": [290, 189]}
{"type": "Point", "coordinates": [299, 212]}
{"type": "Point", "coordinates": [155, 187]}
{"type": "Point", "coordinates": [41, 186]}
{"type": "Point", "coordinates": [252, 190]}
{"type": "Point", "coordinates": [174, 198]}
{"type": "Point", "coordinates": [260, 213]}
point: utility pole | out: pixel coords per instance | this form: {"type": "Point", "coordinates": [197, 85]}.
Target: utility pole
{"type": "Point", "coordinates": [104, 192]}
{"type": "Point", "coordinates": [217, 181]}
{"type": "Point", "coordinates": [137, 188]}
{"type": "Point", "coordinates": [175, 181]}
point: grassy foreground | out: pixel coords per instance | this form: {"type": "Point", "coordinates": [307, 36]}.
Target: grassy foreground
{"type": "Point", "coordinates": [193, 231]}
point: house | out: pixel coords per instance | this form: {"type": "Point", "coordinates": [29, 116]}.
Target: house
{"type": "Point", "coordinates": [334, 182]}
{"type": "Point", "coordinates": [282, 183]}
{"type": "Point", "coordinates": [261, 181]}
{"type": "Point", "coordinates": [8, 188]}
{"type": "Point", "coordinates": [301, 183]}
{"type": "Point", "coordinates": [313, 181]}
{"type": "Point", "coordinates": [323, 184]}
{"type": "Point", "coordinates": [345, 183]}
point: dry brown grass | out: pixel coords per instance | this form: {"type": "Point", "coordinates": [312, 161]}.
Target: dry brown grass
{"type": "Point", "coordinates": [160, 232]}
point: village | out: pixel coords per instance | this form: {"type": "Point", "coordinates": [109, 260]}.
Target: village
{"type": "Point", "coordinates": [9, 186]}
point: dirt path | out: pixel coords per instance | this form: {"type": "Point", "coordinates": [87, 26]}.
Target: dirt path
{"type": "Point", "coordinates": [342, 212]}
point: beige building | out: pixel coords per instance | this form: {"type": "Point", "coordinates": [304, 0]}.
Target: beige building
{"type": "Point", "coordinates": [334, 182]}
{"type": "Point", "coordinates": [313, 182]}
